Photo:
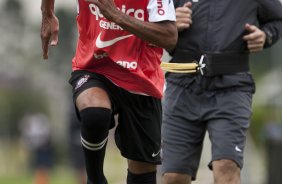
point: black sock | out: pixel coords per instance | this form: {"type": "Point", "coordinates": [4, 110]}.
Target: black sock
{"type": "Point", "coordinates": [145, 178]}
{"type": "Point", "coordinates": [94, 166]}
{"type": "Point", "coordinates": [94, 132]}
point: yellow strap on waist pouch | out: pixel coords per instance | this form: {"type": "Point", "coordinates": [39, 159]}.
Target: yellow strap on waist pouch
{"type": "Point", "coordinates": [180, 67]}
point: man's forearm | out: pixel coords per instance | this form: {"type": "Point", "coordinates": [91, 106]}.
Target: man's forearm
{"type": "Point", "coordinates": [49, 26]}
{"type": "Point", "coordinates": [47, 7]}
{"type": "Point", "coordinates": [163, 34]}
{"type": "Point", "coordinates": [275, 30]}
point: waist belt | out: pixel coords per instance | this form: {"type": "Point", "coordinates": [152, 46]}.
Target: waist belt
{"type": "Point", "coordinates": [208, 64]}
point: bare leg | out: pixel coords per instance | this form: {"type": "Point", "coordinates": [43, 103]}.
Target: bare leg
{"type": "Point", "coordinates": [140, 167]}
{"type": "Point", "coordinates": [176, 178]}
{"type": "Point", "coordinates": [226, 172]}
{"type": "Point", "coordinates": [141, 173]}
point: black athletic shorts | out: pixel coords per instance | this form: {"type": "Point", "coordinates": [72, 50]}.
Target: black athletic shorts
{"type": "Point", "coordinates": [138, 132]}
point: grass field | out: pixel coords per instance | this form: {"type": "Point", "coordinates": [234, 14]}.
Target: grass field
{"type": "Point", "coordinates": [56, 177]}
{"type": "Point", "coordinates": [115, 169]}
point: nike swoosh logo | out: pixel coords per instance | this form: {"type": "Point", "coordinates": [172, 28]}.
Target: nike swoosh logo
{"type": "Point", "coordinates": [102, 44]}
{"type": "Point", "coordinates": [155, 154]}
{"type": "Point", "coordinates": [238, 149]}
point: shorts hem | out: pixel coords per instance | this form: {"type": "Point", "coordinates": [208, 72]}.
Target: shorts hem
{"type": "Point", "coordinates": [228, 157]}
{"type": "Point", "coordinates": [157, 162]}
{"type": "Point", "coordinates": [180, 171]}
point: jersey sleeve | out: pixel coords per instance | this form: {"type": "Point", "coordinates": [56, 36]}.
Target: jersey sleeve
{"type": "Point", "coordinates": [161, 10]}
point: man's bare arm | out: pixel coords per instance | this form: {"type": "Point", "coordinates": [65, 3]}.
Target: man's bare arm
{"type": "Point", "coordinates": [162, 34]}
{"type": "Point", "coordinates": [49, 26]}
{"type": "Point", "coordinates": [47, 7]}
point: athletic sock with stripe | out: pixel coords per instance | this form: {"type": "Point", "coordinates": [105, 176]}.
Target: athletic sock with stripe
{"type": "Point", "coordinates": [94, 135]}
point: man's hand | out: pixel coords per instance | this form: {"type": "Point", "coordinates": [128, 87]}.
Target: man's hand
{"type": "Point", "coordinates": [255, 38]}
{"type": "Point", "coordinates": [184, 16]}
{"type": "Point", "coordinates": [49, 32]}
{"type": "Point", "coordinates": [107, 8]}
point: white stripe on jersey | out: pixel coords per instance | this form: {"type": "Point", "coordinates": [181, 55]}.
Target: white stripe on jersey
{"type": "Point", "coordinates": [160, 10]}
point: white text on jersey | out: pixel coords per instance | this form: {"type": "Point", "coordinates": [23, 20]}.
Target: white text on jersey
{"type": "Point", "coordinates": [138, 13]}
{"type": "Point", "coordinates": [128, 64]}
{"type": "Point", "coordinates": [160, 7]}
{"type": "Point", "coordinates": [109, 25]}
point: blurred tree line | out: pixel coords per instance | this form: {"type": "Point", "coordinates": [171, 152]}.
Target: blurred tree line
{"type": "Point", "coordinates": [266, 67]}
{"type": "Point", "coordinates": [28, 84]}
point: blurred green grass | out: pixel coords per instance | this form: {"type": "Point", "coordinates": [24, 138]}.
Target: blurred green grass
{"type": "Point", "coordinates": [56, 177]}
{"type": "Point", "coordinates": [115, 168]}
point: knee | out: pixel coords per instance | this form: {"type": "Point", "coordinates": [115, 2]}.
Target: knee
{"type": "Point", "coordinates": [95, 119]}
{"type": "Point", "coordinates": [226, 171]}
{"type": "Point", "coordinates": [95, 124]}
{"type": "Point", "coordinates": [176, 178]}
{"type": "Point", "coordinates": [95, 127]}
{"type": "Point", "coordinates": [93, 97]}
{"type": "Point", "coordinates": [225, 166]}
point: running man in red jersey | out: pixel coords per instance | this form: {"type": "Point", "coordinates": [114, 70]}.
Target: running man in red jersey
{"type": "Point", "coordinates": [116, 70]}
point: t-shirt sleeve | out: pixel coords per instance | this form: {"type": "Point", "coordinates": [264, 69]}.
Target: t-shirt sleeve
{"type": "Point", "coordinates": [161, 10]}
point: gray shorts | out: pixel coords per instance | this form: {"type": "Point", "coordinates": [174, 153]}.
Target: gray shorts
{"type": "Point", "coordinates": [189, 112]}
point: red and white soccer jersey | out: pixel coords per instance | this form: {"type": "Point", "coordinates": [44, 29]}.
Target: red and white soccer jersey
{"type": "Point", "coordinates": [105, 48]}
